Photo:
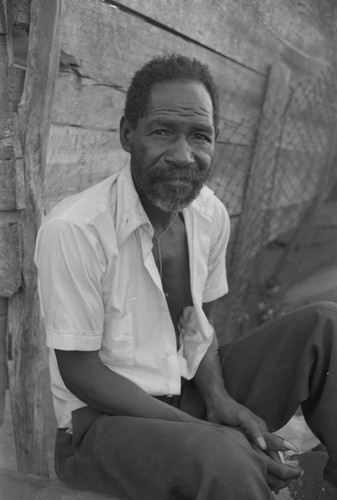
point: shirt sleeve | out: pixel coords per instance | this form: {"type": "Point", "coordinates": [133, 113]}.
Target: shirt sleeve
{"type": "Point", "coordinates": [216, 285]}
{"type": "Point", "coordinates": [70, 265]}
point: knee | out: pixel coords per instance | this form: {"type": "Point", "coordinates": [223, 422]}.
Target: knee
{"type": "Point", "coordinates": [316, 318]}
{"type": "Point", "coordinates": [227, 458]}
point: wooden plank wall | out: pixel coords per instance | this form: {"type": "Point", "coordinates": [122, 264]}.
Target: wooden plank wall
{"type": "Point", "coordinates": [104, 43]}
{"type": "Point", "coordinates": [25, 105]}
{"type": "Point", "coordinates": [10, 193]}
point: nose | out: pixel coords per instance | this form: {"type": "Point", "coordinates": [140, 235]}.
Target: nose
{"type": "Point", "coordinates": [180, 153]}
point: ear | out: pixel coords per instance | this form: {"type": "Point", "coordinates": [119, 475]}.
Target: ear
{"type": "Point", "coordinates": [125, 134]}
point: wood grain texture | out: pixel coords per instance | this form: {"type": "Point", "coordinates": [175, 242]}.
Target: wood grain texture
{"type": "Point", "coordinates": [23, 310]}
{"type": "Point", "coordinates": [84, 103]}
{"type": "Point", "coordinates": [108, 46]}
{"type": "Point", "coordinates": [254, 33]}
{"type": "Point", "coordinates": [10, 259]}
{"type": "Point", "coordinates": [20, 13]}
{"type": "Point", "coordinates": [16, 80]}
{"type": "Point", "coordinates": [7, 185]}
{"type": "Point", "coordinates": [3, 357]}
{"type": "Point", "coordinates": [9, 170]}
{"type": "Point", "coordinates": [81, 156]}
{"type": "Point", "coordinates": [225, 26]}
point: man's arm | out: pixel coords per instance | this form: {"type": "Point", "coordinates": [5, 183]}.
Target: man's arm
{"type": "Point", "coordinates": [92, 382]}
{"type": "Point", "coordinates": [223, 409]}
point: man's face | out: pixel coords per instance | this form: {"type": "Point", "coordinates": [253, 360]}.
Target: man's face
{"type": "Point", "coordinates": [173, 145]}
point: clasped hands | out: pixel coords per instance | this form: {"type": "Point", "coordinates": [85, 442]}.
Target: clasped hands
{"type": "Point", "coordinates": [279, 475]}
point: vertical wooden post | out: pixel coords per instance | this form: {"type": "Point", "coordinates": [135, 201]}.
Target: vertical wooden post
{"type": "Point", "coordinates": [263, 164]}
{"type": "Point", "coordinates": [10, 263]}
{"type": "Point", "coordinates": [23, 310]}
{"type": "Point", "coordinates": [257, 192]}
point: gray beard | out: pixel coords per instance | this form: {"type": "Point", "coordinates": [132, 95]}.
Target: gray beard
{"type": "Point", "coordinates": [169, 201]}
{"type": "Point", "coordinates": [167, 197]}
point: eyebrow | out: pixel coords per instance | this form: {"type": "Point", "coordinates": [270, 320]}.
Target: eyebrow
{"type": "Point", "coordinates": [155, 122]}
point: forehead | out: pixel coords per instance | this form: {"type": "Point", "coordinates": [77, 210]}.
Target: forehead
{"type": "Point", "coordinates": [181, 99]}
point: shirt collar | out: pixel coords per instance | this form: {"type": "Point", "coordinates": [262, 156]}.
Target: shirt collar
{"type": "Point", "coordinates": [130, 213]}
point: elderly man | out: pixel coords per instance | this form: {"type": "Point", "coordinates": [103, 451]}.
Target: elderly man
{"type": "Point", "coordinates": [148, 407]}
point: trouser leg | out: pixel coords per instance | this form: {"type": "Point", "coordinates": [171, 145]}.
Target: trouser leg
{"type": "Point", "coordinates": [288, 362]}
{"type": "Point", "coordinates": [149, 459]}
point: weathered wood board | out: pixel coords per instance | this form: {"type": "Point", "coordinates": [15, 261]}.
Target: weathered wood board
{"type": "Point", "coordinates": [10, 258]}
{"type": "Point", "coordinates": [77, 158]}
{"type": "Point", "coordinates": [16, 80]}
{"type": "Point", "coordinates": [7, 185]}
{"type": "Point", "coordinates": [23, 306]}
{"type": "Point", "coordinates": [82, 102]}
{"type": "Point", "coordinates": [252, 33]}
{"type": "Point", "coordinates": [20, 11]}
{"type": "Point", "coordinates": [230, 28]}
{"type": "Point", "coordinates": [108, 46]}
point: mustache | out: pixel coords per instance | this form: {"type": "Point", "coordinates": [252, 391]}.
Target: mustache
{"type": "Point", "coordinates": [181, 174]}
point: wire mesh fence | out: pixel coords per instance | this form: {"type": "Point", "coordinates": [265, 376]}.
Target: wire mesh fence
{"type": "Point", "coordinates": [273, 182]}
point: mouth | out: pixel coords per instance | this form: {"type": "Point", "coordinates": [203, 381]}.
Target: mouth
{"type": "Point", "coordinates": [178, 182]}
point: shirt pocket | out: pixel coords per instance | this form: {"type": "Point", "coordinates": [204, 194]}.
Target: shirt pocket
{"type": "Point", "coordinates": [118, 341]}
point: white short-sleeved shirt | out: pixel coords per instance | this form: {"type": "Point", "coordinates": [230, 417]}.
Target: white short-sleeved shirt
{"type": "Point", "coordinates": [100, 288]}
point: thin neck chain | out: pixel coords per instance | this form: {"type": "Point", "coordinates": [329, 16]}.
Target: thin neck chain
{"type": "Point", "coordinates": [158, 238]}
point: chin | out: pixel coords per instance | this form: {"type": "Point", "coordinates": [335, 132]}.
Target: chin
{"type": "Point", "coordinates": [174, 199]}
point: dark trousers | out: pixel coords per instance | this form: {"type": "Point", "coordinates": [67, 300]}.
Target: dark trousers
{"type": "Point", "coordinates": [284, 363]}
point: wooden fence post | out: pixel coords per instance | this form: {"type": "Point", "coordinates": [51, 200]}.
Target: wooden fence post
{"type": "Point", "coordinates": [10, 262]}
{"type": "Point", "coordinates": [256, 196]}
{"type": "Point", "coordinates": [23, 310]}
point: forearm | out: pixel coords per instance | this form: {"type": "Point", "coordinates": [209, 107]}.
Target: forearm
{"type": "Point", "coordinates": [209, 380]}
{"type": "Point", "coordinates": [90, 380]}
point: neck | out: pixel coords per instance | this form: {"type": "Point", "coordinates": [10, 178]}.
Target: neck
{"type": "Point", "coordinates": [159, 218]}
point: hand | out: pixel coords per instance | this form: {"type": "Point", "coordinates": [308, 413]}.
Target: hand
{"type": "Point", "coordinates": [279, 475]}
{"type": "Point", "coordinates": [229, 412]}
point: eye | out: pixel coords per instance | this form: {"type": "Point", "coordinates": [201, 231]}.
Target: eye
{"type": "Point", "coordinates": [159, 132]}
{"type": "Point", "coordinates": [202, 137]}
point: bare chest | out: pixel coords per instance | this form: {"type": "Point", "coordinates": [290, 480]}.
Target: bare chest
{"type": "Point", "coordinates": [172, 259]}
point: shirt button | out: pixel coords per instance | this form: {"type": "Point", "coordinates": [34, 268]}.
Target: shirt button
{"type": "Point", "coordinates": [169, 353]}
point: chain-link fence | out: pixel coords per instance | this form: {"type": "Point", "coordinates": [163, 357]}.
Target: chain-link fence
{"type": "Point", "coordinates": [274, 199]}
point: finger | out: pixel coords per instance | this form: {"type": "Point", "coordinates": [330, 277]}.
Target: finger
{"type": "Point", "coordinates": [275, 455]}
{"type": "Point", "coordinates": [277, 484]}
{"type": "Point", "coordinates": [283, 472]}
{"type": "Point", "coordinates": [261, 442]}
{"type": "Point", "coordinates": [255, 428]}
{"type": "Point", "coordinates": [275, 442]}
